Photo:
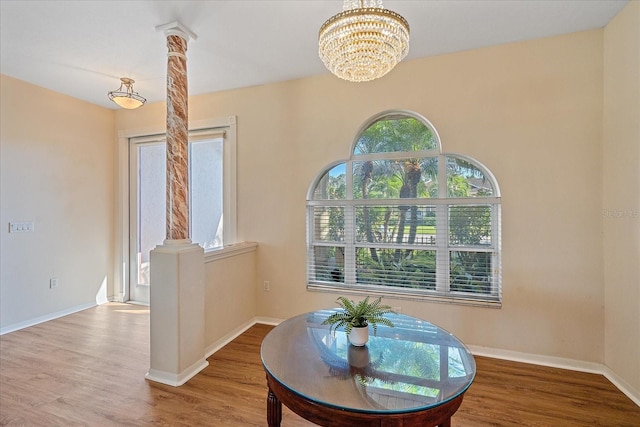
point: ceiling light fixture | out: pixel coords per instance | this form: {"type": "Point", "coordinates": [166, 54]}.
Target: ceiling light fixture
{"type": "Point", "coordinates": [125, 96]}
{"type": "Point", "coordinates": [364, 41]}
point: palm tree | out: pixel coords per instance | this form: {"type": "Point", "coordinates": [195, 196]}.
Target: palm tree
{"type": "Point", "coordinates": [371, 141]}
{"type": "Point", "coordinates": [388, 135]}
{"type": "Point", "coordinates": [415, 137]}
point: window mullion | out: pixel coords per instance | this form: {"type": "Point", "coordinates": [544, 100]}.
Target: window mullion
{"type": "Point", "coordinates": [349, 230]}
{"type": "Point", "coordinates": [311, 256]}
{"type": "Point", "coordinates": [442, 230]}
{"type": "Point", "coordinates": [349, 180]}
{"type": "Point", "coordinates": [496, 239]}
{"type": "Point", "coordinates": [442, 249]}
{"type": "Point", "coordinates": [349, 248]}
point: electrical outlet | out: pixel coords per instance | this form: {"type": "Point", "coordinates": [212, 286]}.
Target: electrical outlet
{"type": "Point", "coordinates": [265, 285]}
{"type": "Point", "coordinates": [53, 283]}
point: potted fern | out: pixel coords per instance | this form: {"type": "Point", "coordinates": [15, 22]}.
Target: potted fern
{"type": "Point", "coordinates": [356, 318]}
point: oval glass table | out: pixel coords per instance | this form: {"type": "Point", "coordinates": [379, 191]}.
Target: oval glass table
{"type": "Point", "coordinates": [414, 374]}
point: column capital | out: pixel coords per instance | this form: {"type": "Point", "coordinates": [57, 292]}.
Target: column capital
{"type": "Point", "coordinates": [176, 28]}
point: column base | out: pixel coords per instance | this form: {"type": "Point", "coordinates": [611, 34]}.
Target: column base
{"type": "Point", "coordinates": [173, 379]}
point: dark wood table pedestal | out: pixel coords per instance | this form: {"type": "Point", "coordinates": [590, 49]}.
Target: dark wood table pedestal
{"type": "Point", "coordinates": [331, 417]}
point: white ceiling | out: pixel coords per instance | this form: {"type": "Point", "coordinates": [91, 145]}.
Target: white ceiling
{"type": "Point", "coordinates": [82, 48]}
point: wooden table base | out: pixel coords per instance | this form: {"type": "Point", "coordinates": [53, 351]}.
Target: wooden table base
{"type": "Point", "coordinates": [327, 416]}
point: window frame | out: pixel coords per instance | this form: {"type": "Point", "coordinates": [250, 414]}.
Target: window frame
{"type": "Point", "coordinates": [229, 125]}
{"type": "Point", "coordinates": [229, 151]}
{"type": "Point", "coordinates": [443, 247]}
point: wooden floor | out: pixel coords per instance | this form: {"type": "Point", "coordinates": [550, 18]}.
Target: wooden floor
{"type": "Point", "coordinates": [87, 369]}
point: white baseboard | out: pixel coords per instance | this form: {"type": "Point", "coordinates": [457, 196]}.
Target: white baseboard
{"type": "Point", "coordinates": [32, 322]}
{"type": "Point", "coordinates": [631, 392]}
{"type": "Point", "coordinates": [562, 363]}
{"type": "Point", "coordinates": [536, 359]}
{"type": "Point", "coordinates": [227, 338]}
{"type": "Point", "coordinates": [235, 333]}
{"type": "Point", "coordinates": [272, 321]}
{"type": "Point", "coordinates": [178, 379]}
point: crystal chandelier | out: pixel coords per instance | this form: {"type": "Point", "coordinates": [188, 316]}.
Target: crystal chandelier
{"type": "Point", "coordinates": [364, 41]}
{"type": "Point", "coordinates": [127, 98]}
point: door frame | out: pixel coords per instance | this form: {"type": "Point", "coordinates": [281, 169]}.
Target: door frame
{"type": "Point", "coordinates": [141, 293]}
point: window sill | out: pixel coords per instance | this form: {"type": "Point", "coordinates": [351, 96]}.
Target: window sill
{"type": "Point", "coordinates": [405, 295]}
{"type": "Point", "coordinates": [230, 251]}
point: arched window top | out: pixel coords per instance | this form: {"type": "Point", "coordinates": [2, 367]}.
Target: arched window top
{"type": "Point", "coordinates": [332, 184]}
{"type": "Point", "coordinates": [396, 132]}
{"type": "Point", "coordinates": [468, 178]}
{"type": "Point", "coordinates": [396, 151]}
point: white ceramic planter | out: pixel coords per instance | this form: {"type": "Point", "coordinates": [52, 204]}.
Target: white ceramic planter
{"type": "Point", "coordinates": [359, 336]}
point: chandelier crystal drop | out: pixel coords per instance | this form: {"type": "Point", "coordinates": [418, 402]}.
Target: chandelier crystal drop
{"type": "Point", "coordinates": [125, 96]}
{"type": "Point", "coordinates": [364, 41]}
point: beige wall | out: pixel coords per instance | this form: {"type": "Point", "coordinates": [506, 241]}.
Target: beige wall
{"type": "Point", "coordinates": [531, 112]}
{"type": "Point", "coordinates": [621, 195]}
{"type": "Point", "coordinates": [230, 297]}
{"type": "Point", "coordinates": [57, 157]}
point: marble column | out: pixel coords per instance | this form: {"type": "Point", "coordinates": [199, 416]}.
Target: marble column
{"type": "Point", "coordinates": [177, 139]}
{"type": "Point", "coordinates": [177, 321]}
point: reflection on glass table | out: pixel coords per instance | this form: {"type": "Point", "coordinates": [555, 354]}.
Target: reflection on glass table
{"type": "Point", "coordinates": [414, 370]}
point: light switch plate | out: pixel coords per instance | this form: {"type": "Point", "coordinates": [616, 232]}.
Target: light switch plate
{"type": "Point", "coordinates": [21, 227]}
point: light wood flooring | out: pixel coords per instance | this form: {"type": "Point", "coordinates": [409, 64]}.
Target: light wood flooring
{"type": "Point", "coordinates": [87, 369]}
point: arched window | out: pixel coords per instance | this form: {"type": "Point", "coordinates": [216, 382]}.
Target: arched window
{"type": "Point", "coordinates": [402, 218]}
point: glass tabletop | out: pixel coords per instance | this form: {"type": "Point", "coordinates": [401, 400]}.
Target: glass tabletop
{"type": "Point", "coordinates": [413, 366]}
